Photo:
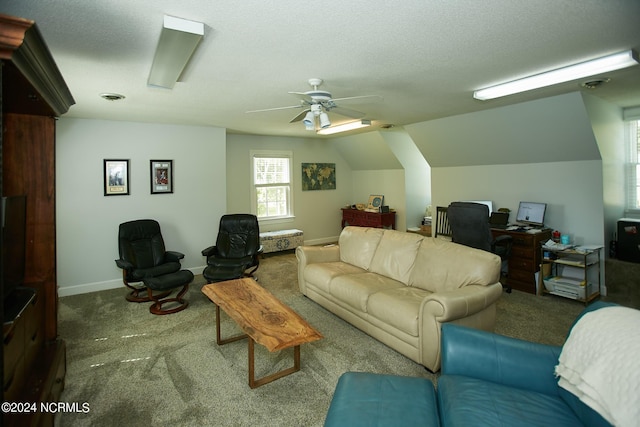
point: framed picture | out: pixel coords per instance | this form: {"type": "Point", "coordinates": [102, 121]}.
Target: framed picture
{"type": "Point", "coordinates": [161, 176]}
{"type": "Point", "coordinates": [375, 201]}
{"type": "Point", "coordinates": [116, 177]}
{"type": "Point", "coordinates": [318, 176]}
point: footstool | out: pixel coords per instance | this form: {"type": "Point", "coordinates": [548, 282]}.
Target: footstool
{"type": "Point", "coordinates": [164, 283]}
{"type": "Point", "coordinates": [368, 399]}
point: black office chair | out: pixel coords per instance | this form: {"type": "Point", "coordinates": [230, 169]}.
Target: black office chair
{"type": "Point", "coordinates": [470, 227]}
{"type": "Point", "coordinates": [442, 227]}
{"type": "Point", "coordinates": [237, 249]}
{"type": "Point", "coordinates": [143, 258]}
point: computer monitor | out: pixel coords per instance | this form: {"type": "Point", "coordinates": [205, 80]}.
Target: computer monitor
{"type": "Point", "coordinates": [531, 213]}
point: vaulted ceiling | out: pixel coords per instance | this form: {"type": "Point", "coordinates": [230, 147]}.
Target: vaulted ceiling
{"type": "Point", "coordinates": [423, 57]}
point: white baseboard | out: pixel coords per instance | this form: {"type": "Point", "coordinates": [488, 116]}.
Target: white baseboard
{"type": "Point", "coordinates": [85, 288]}
{"type": "Point", "coordinates": [322, 241]}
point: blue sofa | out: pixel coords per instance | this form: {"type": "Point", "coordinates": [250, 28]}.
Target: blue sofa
{"type": "Point", "coordinates": [486, 380]}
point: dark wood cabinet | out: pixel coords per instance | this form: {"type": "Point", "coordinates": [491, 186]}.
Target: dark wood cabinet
{"type": "Point", "coordinates": [33, 94]}
{"type": "Point", "coordinates": [524, 261]}
{"type": "Point", "coordinates": [368, 219]}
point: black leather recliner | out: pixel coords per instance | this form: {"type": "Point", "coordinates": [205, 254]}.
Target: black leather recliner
{"type": "Point", "coordinates": [470, 227]}
{"type": "Point", "coordinates": [143, 258]}
{"type": "Point", "coordinates": [236, 250]}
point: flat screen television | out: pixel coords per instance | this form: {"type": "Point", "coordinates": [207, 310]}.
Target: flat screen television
{"type": "Point", "coordinates": [531, 213]}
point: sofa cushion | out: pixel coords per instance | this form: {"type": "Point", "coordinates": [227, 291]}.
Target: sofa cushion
{"type": "Point", "coordinates": [396, 254]}
{"type": "Point", "coordinates": [355, 289]}
{"type": "Point", "coordinates": [320, 274]}
{"type": "Point", "coordinates": [358, 245]}
{"type": "Point", "coordinates": [474, 402]}
{"type": "Point", "coordinates": [398, 307]}
{"type": "Point", "coordinates": [442, 266]}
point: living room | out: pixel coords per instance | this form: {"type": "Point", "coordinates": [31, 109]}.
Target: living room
{"type": "Point", "coordinates": [562, 148]}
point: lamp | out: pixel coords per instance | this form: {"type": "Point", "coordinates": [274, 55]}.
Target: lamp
{"type": "Point", "coordinates": [178, 40]}
{"type": "Point", "coordinates": [560, 75]}
{"type": "Point", "coordinates": [345, 127]}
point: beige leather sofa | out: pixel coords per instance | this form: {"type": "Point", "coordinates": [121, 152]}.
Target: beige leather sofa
{"type": "Point", "coordinates": [400, 287]}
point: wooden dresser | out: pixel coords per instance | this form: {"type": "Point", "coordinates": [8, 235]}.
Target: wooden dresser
{"type": "Point", "coordinates": [368, 219]}
{"type": "Point", "coordinates": [32, 95]}
{"type": "Point", "coordinates": [525, 257]}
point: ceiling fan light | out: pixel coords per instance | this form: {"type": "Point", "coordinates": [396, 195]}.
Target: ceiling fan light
{"type": "Point", "coordinates": [324, 121]}
{"type": "Point", "coordinates": [309, 120]}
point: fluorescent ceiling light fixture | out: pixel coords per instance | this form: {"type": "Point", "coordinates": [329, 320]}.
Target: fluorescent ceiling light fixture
{"type": "Point", "coordinates": [572, 72]}
{"type": "Point", "coordinates": [345, 127]}
{"type": "Point", "coordinates": [178, 40]}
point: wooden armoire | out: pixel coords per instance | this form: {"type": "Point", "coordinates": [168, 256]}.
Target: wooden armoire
{"type": "Point", "coordinates": [33, 93]}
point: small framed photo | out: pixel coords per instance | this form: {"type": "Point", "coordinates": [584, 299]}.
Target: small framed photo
{"type": "Point", "coordinates": [116, 177]}
{"type": "Point", "coordinates": [161, 176]}
{"type": "Point", "coordinates": [375, 201]}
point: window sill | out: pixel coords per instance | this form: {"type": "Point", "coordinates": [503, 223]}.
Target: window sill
{"type": "Point", "coordinates": [278, 220]}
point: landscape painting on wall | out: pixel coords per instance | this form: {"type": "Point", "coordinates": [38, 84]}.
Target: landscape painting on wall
{"type": "Point", "coordinates": [318, 176]}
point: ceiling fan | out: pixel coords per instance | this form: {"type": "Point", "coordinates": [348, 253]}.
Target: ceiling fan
{"type": "Point", "coordinates": [317, 103]}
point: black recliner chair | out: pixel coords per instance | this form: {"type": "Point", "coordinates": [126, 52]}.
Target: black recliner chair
{"type": "Point", "coordinates": [143, 258]}
{"type": "Point", "coordinates": [470, 227]}
{"type": "Point", "coordinates": [237, 249]}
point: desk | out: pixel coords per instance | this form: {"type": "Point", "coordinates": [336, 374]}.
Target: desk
{"type": "Point", "coordinates": [525, 257]}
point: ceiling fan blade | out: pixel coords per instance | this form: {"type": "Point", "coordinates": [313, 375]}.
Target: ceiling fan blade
{"type": "Point", "coordinates": [277, 108]}
{"type": "Point", "coordinates": [303, 96]}
{"type": "Point", "coordinates": [300, 116]}
{"type": "Point", "coordinates": [347, 112]}
{"type": "Point", "coordinates": [365, 99]}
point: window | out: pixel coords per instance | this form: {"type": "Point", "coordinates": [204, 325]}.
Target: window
{"type": "Point", "coordinates": [271, 190]}
{"type": "Point", "coordinates": [633, 171]}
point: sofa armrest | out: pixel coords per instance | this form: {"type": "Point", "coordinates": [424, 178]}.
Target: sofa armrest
{"type": "Point", "coordinates": [471, 305]}
{"type": "Point", "coordinates": [462, 302]}
{"type": "Point", "coordinates": [314, 254]}
{"type": "Point", "coordinates": [499, 359]}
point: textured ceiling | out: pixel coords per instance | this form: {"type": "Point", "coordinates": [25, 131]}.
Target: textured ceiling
{"type": "Point", "coordinates": [424, 57]}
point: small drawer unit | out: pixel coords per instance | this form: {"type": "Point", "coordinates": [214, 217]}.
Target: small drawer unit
{"type": "Point", "coordinates": [524, 261]}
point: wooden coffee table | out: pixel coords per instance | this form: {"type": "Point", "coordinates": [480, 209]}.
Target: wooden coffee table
{"type": "Point", "coordinates": [264, 319]}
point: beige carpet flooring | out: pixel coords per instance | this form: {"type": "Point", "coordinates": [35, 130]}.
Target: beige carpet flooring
{"type": "Point", "coordinates": [137, 369]}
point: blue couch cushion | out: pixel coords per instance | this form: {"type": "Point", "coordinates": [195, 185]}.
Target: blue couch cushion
{"type": "Point", "coordinates": [367, 399]}
{"type": "Point", "coordinates": [465, 401]}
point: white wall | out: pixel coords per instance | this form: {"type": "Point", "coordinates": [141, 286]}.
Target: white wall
{"type": "Point", "coordinates": [389, 183]}
{"type": "Point", "coordinates": [317, 213]}
{"type": "Point", "coordinates": [572, 191]}
{"type": "Point", "coordinates": [609, 130]}
{"type": "Point", "coordinates": [87, 221]}
{"type": "Point", "coordinates": [417, 175]}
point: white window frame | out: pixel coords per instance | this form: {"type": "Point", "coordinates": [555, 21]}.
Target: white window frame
{"type": "Point", "coordinates": [633, 167]}
{"type": "Point", "coordinates": [289, 216]}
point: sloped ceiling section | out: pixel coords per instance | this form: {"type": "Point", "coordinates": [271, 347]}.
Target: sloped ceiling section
{"type": "Point", "coordinates": [554, 129]}
{"type": "Point", "coordinates": [368, 151]}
